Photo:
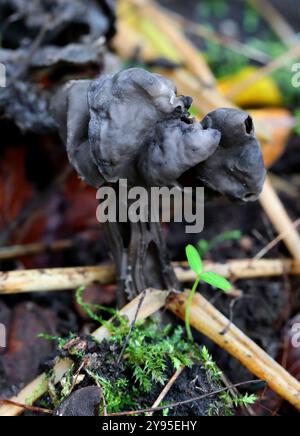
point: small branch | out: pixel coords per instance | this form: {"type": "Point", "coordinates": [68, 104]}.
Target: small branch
{"type": "Point", "coordinates": [166, 389]}
{"type": "Point", "coordinates": [132, 326]}
{"type": "Point", "coordinates": [194, 60]}
{"type": "Point", "coordinates": [35, 390]}
{"type": "Point", "coordinates": [225, 41]}
{"type": "Point", "coordinates": [246, 269]}
{"type": "Point", "coordinates": [62, 279]}
{"type": "Point", "coordinates": [16, 251]}
{"type": "Point", "coordinates": [154, 301]}
{"type": "Point", "coordinates": [25, 407]}
{"type": "Point", "coordinates": [280, 219]}
{"type": "Point", "coordinates": [205, 318]}
{"type": "Point", "coordinates": [54, 279]}
{"type": "Point", "coordinates": [276, 241]}
{"type": "Point", "coordinates": [246, 408]}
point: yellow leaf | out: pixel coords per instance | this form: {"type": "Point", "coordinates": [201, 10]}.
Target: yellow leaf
{"type": "Point", "coordinates": [264, 92]}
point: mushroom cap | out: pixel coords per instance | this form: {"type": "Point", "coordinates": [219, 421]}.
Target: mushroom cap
{"type": "Point", "coordinates": [133, 126]}
{"type": "Point", "coordinates": [236, 169]}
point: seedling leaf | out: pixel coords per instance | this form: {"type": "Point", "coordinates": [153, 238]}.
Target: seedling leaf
{"type": "Point", "coordinates": [216, 281]}
{"type": "Point", "coordinates": [194, 259]}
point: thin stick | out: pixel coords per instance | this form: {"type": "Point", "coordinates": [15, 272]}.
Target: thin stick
{"type": "Point", "coordinates": [205, 318]}
{"type": "Point", "coordinates": [132, 326]}
{"type": "Point", "coordinates": [62, 279]}
{"type": "Point", "coordinates": [154, 300]}
{"type": "Point", "coordinates": [247, 409]}
{"type": "Point", "coordinates": [25, 407]}
{"type": "Point", "coordinates": [128, 40]}
{"type": "Point", "coordinates": [16, 251]}
{"type": "Point", "coordinates": [275, 241]}
{"type": "Point", "coordinates": [35, 390]}
{"type": "Point", "coordinates": [55, 279]}
{"type": "Point", "coordinates": [288, 188]}
{"type": "Point", "coordinates": [194, 59]}
{"type": "Point", "coordinates": [280, 219]}
{"type": "Point", "coordinates": [273, 66]}
{"type": "Point", "coordinates": [166, 389]}
{"type": "Point", "coordinates": [276, 21]}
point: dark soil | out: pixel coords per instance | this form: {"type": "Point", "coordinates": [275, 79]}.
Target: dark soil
{"type": "Point", "coordinates": [102, 359]}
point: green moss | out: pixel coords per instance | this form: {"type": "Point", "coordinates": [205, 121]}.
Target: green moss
{"type": "Point", "coordinates": [153, 353]}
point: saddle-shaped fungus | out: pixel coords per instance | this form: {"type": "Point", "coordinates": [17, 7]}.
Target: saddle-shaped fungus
{"type": "Point", "coordinates": [133, 126]}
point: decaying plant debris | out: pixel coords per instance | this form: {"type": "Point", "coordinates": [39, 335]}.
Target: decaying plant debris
{"type": "Point", "coordinates": [135, 124]}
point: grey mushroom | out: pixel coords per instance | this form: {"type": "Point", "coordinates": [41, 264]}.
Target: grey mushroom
{"type": "Point", "coordinates": [236, 169]}
{"type": "Point", "coordinates": [133, 125]}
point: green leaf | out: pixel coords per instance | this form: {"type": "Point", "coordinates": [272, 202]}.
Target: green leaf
{"type": "Point", "coordinates": [194, 259]}
{"type": "Point", "coordinates": [216, 281]}
{"type": "Point", "coordinates": [297, 117]}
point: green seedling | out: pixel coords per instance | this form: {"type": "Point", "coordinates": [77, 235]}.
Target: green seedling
{"type": "Point", "coordinates": [205, 246]}
{"type": "Point", "coordinates": [215, 280]}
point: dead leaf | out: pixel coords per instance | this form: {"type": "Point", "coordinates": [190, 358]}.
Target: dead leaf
{"type": "Point", "coordinates": [264, 92]}
{"type": "Point", "coordinates": [278, 125]}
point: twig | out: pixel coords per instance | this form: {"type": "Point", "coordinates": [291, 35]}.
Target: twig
{"type": "Point", "coordinates": [194, 59]}
{"type": "Point", "coordinates": [211, 35]}
{"type": "Point", "coordinates": [16, 251]}
{"type": "Point", "coordinates": [276, 21]}
{"type": "Point", "coordinates": [35, 390]}
{"type": "Point", "coordinates": [241, 269]}
{"type": "Point", "coordinates": [153, 301]}
{"type": "Point", "coordinates": [247, 409]}
{"type": "Point", "coordinates": [166, 389]}
{"type": "Point", "coordinates": [209, 321]}
{"type": "Point", "coordinates": [62, 279]}
{"type": "Point", "coordinates": [287, 187]}
{"type": "Point", "coordinates": [181, 403]}
{"type": "Point", "coordinates": [132, 325]}
{"type": "Point", "coordinates": [275, 241]}
{"type": "Point", "coordinates": [25, 407]}
{"type": "Point", "coordinates": [54, 279]}
{"type": "Point", "coordinates": [104, 405]}
{"type": "Point", "coordinates": [280, 219]}
{"type": "Point", "coordinates": [76, 376]}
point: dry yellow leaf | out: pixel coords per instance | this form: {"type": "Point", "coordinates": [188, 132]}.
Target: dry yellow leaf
{"type": "Point", "coordinates": [264, 92]}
